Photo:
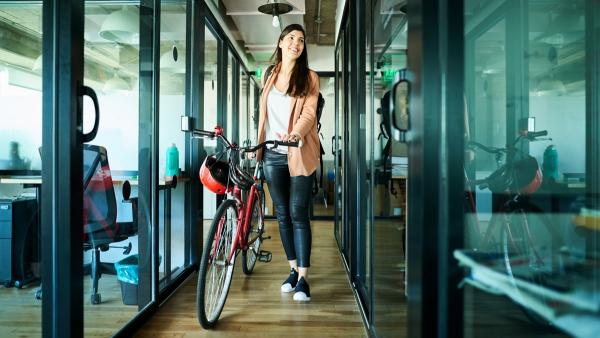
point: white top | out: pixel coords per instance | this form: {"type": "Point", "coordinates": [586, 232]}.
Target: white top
{"type": "Point", "coordinates": [278, 116]}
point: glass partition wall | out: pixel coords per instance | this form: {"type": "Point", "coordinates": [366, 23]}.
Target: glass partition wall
{"type": "Point", "coordinates": [114, 268]}
{"type": "Point", "coordinates": [171, 142]}
{"type": "Point", "coordinates": [211, 107]}
{"type": "Point", "coordinates": [323, 191]}
{"type": "Point", "coordinates": [20, 168]}
{"type": "Point", "coordinates": [531, 209]}
{"type": "Point", "coordinates": [389, 172]}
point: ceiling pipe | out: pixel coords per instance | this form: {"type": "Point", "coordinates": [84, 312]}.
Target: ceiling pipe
{"type": "Point", "coordinates": [318, 21]}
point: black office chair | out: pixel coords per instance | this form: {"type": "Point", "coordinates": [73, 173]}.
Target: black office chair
{"type": "Point", "coordinates": [100, 226]}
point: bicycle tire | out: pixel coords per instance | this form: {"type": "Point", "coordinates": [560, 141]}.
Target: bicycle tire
{"type": "Point", "coordinates": [526, 231]}
{"type": "Point", "coordinates": [255, 231]}
{"type": "Point", "coordinates": [226, 216]}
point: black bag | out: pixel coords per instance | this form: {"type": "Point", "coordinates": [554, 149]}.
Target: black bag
{"type": "Point", "coordinates": [320, 104]}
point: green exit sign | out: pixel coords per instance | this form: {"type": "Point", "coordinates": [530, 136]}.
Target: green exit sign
{"type": "Point", "coordinates": [389, 74]}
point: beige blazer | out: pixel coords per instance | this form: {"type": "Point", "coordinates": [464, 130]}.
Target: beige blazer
{"type": "Point", "coordinates": [303, 160]}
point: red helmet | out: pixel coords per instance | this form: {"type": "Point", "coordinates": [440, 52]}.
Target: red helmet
{"type": "Point", "coordinates": [214, 175]}
{"type": "Point", "coordinates": [524, 174]}
{"type": "Point", "coordinates": [528, 175]}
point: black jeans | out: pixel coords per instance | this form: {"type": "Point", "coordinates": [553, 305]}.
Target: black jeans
{"type": "Point", "coordinates": [291, 196]}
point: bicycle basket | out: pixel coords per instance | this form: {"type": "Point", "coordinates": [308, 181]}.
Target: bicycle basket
{"type": "Point", "coordinates": [214, 175]}
{"type": "Point", "coordinates": [528, 175]}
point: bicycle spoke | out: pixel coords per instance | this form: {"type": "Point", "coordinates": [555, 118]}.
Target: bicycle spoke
{"type": "Point", "coordinates": [219, 266]}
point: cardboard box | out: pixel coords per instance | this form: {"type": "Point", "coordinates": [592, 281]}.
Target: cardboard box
{"type": "Point", "coordinates": [397, 202]}
{"type": "Point", "coordinates": [269, 211]}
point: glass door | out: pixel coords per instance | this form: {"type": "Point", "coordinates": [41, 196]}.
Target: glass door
{"type": "Point", "coordinates": [171, 149]}
{"type": "Point", "coordinates": [323, 198]}
{"type": "Point", "coordinates": [118, 250]}
{"type": "Point", "coordinates": [531, 210]}
{"type": "Point", "coordinates": [337, 153]}
{"type": "Point", "coordinates": [389, 170]}
{"type": "Point", "coordinates": [210, 109]}
{"type": "Point", "coordinates": [20, 168]}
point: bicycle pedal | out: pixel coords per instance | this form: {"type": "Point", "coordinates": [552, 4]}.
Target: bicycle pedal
{"type": "Point", "coordinates": [265, 256]}
{"type": "Point", "coordinates": [262, 238]}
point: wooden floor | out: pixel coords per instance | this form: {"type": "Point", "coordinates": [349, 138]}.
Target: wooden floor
{"type": "Point", "coordinates": [21, 312]}
{"type": "Point", "coordinates": [256, 307]}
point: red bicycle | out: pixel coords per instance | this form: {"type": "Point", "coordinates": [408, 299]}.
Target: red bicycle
{"type": "Point", "coordinates": [238, 224]}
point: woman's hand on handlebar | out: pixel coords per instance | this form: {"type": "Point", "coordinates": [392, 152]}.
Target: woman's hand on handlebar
{"type": "Point", "coordinates": [293, 137]}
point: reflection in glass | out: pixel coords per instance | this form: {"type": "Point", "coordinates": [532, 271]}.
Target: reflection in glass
{"type": "Point", "coordinates": [389, 178]}
{"type": "Point", "coordinates": [172, 140]}
{"type": "Point", "coordinates": [229, 130]}
{"type": "Point", "coordinates": [526, 212]}
{"type": "Point", "coordinates": [20, 140]}
{"type": "Point", "coordinates": [323, 200]}
{"type": "Point", "coordinates": [111, 262]}
{"type": "Point", "coordinates": [210, 111]}
{"type": "Point", "coordinates": [244, 111]}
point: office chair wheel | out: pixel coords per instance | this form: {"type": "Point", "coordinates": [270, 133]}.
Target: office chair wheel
{"type": "Point", "coordinates": [8, 283]}
{"type": "Point", "coordinates": [38, 294]}
{"type": "Point", "coordinates": [18, 284]}
{"type": "Point", "coordinates": [95, 299]}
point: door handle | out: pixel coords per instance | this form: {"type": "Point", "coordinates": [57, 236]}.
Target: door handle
{"type": "Point", "coordinates": [87, 91]}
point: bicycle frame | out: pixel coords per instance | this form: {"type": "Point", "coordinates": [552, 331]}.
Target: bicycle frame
{"type": "Point", "coordinates": [513, 191]}
{"type": "Point", "coordinates": [244, 209]}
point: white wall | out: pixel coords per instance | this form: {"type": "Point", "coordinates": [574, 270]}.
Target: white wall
{"type": "Point", "coordinates": [564, 118]}
{"type": "Point", "coordinates": [321, 58]}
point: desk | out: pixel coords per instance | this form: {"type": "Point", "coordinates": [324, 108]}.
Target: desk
{"type": "Point", "coordinates": [164, 184]}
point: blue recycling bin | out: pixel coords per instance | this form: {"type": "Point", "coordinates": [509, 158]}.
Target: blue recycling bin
{"type": "Point", "coordinates": [128, 276]}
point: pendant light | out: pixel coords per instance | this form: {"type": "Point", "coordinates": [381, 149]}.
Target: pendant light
{"type": "Point", "coordinates": [275, 9]}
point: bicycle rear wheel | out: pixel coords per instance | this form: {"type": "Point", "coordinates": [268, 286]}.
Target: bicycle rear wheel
{"type": "Point", "coordinates": [216, 271]}
{"type": "Point", "coordinates": [255, 231]}
{"type": "Point", "coordinates": [530, 246]}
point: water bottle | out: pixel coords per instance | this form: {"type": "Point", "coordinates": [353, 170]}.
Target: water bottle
{"type": "Point", "coordinates": [172, 167]}
{"type": "Point", "coordinates": [550, 165]}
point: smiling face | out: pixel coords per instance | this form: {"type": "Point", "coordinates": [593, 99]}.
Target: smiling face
{"type": "Point", "coordinates": [292, 45]}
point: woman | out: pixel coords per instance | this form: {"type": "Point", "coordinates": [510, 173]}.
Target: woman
{"type": "Point", "coordinates": [288, 112]}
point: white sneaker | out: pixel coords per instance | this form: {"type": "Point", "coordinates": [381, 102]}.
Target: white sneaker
{"type": "Point", "coordinates": [302, 291]}
{"type": "Point", "coordinates": [289, 284]}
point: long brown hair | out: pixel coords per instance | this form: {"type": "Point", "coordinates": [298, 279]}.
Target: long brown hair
{"type": "Point", "coordinates": [299, 79]}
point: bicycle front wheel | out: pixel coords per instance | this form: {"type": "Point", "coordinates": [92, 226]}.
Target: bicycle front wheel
{"type": "Point", "coordinates": [216, 270]}
{"type": "Point", "coordinates": [530, 246]}
{"type": "Point", "coordinates": [255, 231]}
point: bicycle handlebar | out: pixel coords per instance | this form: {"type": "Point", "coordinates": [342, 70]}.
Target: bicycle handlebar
{"type": "Point", "coordinates": [491, 150]}
{"type": "Point", "coordinates": [203, 133]}
{"type": "Point", "coordinates": [218, 132]}
{"type": "Point", "coordinates": [530, 135]}
{"type": "Point", "coordinates": [264, 144]}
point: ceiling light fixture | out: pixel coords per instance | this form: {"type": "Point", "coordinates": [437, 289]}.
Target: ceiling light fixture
{"type": "Point", "coordinates": [275, 9]}
{"type": "Point", "coordinates": [121, 26]}
{"type": "Point", "coordinates": [172, 62]}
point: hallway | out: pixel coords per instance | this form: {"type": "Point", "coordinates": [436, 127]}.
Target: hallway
{"type": "Point", "coordinates": [255, 306]}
